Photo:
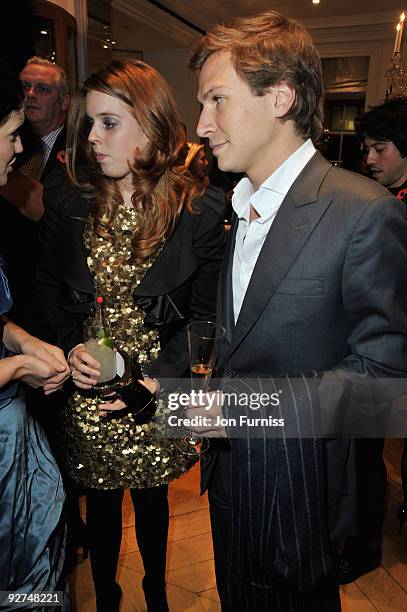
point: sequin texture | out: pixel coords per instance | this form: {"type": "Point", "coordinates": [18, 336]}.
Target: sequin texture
{"type": "Point", "coordinates": [110, 453]}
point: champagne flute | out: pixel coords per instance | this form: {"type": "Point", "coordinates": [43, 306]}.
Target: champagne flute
{"type": "Point", "coordinates": [203, 338]}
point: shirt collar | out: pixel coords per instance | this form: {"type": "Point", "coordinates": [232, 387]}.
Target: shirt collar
{"type": "Point", "coordinates": [241, 198]}
{"type": "Point", "coordinates": [277, 184]}
{"type": "Point", "coordinates": [49, 140]}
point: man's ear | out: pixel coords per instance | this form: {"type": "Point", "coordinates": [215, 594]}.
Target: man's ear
{"type": "Point", "coordinates": [65, 100]}
{"type": "Point", "coordinates": [284, 98]}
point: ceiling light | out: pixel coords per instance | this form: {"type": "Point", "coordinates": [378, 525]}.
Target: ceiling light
{"type": "Point", "coordinates": [315, 1]}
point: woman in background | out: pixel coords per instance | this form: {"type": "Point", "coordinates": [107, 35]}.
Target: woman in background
{"type": "Point", "coordinates": [197, 163]}
{"type": "Point", "coordinates": [31, 493]}
{"type": "Point", "coordinates": [153, 247]}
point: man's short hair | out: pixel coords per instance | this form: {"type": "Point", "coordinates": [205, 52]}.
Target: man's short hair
{"type": "Point", "coordinates": [62, 82]}
{"type": "Point", "coordinates": [386, 122]}
{"type": "Point", "coordinates": [266, 49]}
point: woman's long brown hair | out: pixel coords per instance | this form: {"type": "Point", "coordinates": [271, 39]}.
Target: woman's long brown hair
{"type": "Point", "coordinates": [162, 183]}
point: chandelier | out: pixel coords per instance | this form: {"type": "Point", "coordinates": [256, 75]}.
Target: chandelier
{"type": "Point", "coordinates": [396, 73]}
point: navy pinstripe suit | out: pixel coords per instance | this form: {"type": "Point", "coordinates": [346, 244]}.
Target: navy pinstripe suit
{"type": "Point", "coordinates": [327, 294]}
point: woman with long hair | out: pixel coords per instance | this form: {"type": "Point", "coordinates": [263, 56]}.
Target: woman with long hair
{"type": "Point", "coordinates": [196, 162]}
{"type": "Point", "coordinates": [132, 225]}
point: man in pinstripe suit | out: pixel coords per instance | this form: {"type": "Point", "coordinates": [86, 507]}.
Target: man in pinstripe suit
{"type": "Point", "coordinates": [311, 292]}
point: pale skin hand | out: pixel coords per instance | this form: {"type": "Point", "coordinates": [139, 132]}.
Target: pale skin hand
{"type": "Point", "coordinates": [149, 383]}
{"type": "Point", "coordinates": [87, 368]}
{"type": "Point", "coordinates": [211, 412]}
{"type": "Point", "coordinates": [87, 375]}
{"type": "Point", "coordinates": [38, 373]}
{"type": "Point", "coordinates": [39, 365]}
{"type": "Point", "coordinates": [50, 355]}
{"type": "Point", "coordinates": [34, 372]}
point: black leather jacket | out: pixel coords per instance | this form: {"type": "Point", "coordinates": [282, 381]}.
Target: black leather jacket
{"type": "Point", "coordinates": [180, 285]}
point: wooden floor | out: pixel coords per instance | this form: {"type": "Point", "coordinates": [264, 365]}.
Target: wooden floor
{"type": "Point", "coordinates": [191, 579]}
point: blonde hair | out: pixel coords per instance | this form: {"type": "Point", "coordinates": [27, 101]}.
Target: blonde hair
{"type": "Point", "coordinates": [191, 162]}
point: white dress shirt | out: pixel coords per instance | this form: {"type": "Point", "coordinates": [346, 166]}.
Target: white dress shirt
{"type": "Point", "coordinates": [266, 201]}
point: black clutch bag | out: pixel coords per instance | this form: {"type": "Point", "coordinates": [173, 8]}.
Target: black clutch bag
{"type": "Point", "coordinates": [138, 399]}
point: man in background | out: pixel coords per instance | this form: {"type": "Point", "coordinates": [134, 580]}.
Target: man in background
{"type": "Point", "coordinates": [47, 100]}
{"type": "Point", "coordinates": [43, 137]}
{"type": "Point", "coordinates": [383, 132]}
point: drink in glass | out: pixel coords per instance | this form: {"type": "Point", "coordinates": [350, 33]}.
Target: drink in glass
{"type": "Point", "coordinates": [103, 352]}
{"type": "Point", "coordinates": [202, 339]}
{"type": "Point", "coordinates": [99, 344]}
{"type": "Point", "coordinates": [202, 342]}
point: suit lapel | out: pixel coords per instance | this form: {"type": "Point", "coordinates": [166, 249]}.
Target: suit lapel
{"type": "Point", "coordinates": [299, 213]}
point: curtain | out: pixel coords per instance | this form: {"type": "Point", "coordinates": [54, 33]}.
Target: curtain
{"type": "Point", "coordinates": [345, 74]}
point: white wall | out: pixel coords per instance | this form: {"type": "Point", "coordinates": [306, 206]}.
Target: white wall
{"type": "Point", "coordinates": [173, 65]}
{"type": "Point", "coordinates": [68, 5]}
{"type": "Point", "coordinates": [355, 35]}
{"type": "Point", "coordinates": [350, 36]}
{"type": "Point", "coordinates": [360, 36]}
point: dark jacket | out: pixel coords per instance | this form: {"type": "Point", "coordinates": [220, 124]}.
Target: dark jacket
{"type": "Point", "coordinates": [31, 144]}
{"type": "Point", "coordinates": [327, 297]}
{"type": "Point", "coordinates": [180, 285]}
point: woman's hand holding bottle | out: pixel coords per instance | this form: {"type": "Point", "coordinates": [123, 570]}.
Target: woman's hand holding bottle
{"type": "Point", "coordinates": [85, 369]}
{"type": "Point", "coordinates": [95, 361]}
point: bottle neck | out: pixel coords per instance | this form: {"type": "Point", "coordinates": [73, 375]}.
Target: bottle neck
{"type": "Point", "coordinates": [99, 311]}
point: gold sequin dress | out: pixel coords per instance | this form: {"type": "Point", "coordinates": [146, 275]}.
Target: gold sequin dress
{"type": "Point", "coordinates": [116, 453]}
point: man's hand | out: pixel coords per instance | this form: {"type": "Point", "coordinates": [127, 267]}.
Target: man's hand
{"type": "Point", "coordinates": [209, 407]}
